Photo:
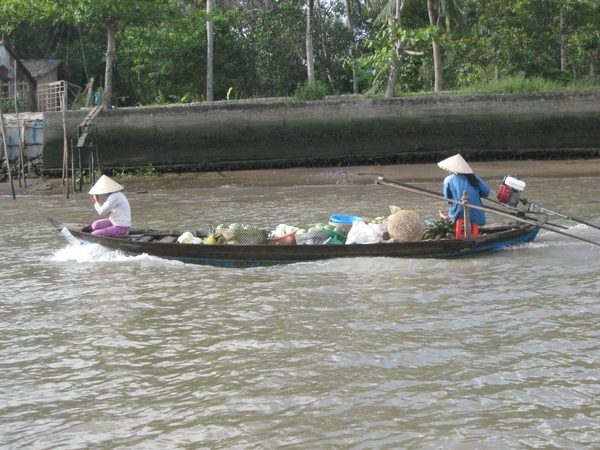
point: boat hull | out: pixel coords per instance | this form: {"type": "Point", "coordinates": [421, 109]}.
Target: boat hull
{"type": "Point", "coordinates": [269, 254]}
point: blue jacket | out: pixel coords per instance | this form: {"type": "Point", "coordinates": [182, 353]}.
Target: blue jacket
{"type": "Point", "coordinates": [454, 185]}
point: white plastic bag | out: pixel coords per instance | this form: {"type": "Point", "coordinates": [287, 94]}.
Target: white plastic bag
{"type": "Point", "coordinates": [362, 233]}
{"type": "Point", "coordinates": [189, 238]}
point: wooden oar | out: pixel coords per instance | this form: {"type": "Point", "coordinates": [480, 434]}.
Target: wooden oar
{"type": "Point", "coordinates": [425, 192]}
{"type": "Point", "coordinates": [520, 212]}
{"type": "Point", "coordinates": [563, 215]}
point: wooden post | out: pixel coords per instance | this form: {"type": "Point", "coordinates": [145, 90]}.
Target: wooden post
{"type": "Point", "coordinates": [90, 93]}
{"type": "Point", "coordinates": [80, 170]}
{"type": "Point", "coordinates": [21, 164]}
{"type": "Point", "coordinates": [73, 166]}
{"type": "Point", "coordinates": [63, 103]}
{"type": "Point", "coordinates": [6, 153]}
{"type": "Point", "coordinates": [22, 140]}
{"type": "Point", "coordinates": [467, 223]}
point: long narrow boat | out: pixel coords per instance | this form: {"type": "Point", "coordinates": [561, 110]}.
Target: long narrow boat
{"type": "Point", "coordinates": [163, 244]}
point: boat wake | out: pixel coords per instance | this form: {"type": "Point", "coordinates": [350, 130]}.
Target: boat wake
{"type": "Point", "coordinates": [86, 252]}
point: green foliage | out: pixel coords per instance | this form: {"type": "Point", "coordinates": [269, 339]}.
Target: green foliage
{"type": "Point", "coordinates": [8, 104]}
{"type": "Point", "coordinates": [279, 50]}
{"type": "Point", "coordinates": [514, 84]}
{"type": "Point", "coordinates": [86, 176]}
{"type": "Point", "coordinates": [383, 52]}
{"type": "Point", "coordinates": [147, 172]}
{"type": "Point", "coordinates": [260, 51]}
{"type": "Point", "coordinates": [306, 92]}
{"type": "Point", "coordinates": [122, 174]}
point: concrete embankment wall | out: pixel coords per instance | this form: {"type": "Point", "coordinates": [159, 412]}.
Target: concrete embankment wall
{"type": "Point", "coordinates": [230, 136]}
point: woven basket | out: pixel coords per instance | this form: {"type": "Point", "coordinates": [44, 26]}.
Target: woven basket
{"type": "Point", "coordinates": [314, 238]}
{"type": "Point", "coordinates": [406, 226]}
{"type": "Point", "coordinates": [244, 236]}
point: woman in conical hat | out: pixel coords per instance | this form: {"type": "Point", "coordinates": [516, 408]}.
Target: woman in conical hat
{"type": "Point", "coordinates": [462, 179]}
{"type": "Point", "coordinates": [119, 221]}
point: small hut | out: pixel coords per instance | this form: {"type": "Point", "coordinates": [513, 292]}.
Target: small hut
{"type": "Point", "coordinates": [15, 79]}
{"type": "Point", "coordinates": [50, 76]}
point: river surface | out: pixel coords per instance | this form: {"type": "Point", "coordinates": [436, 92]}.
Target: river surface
{"type": "Point", "coordinates": [107, 351]}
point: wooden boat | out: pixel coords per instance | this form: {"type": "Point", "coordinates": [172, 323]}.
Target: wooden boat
{"type": "Point", "coordinates": [163, 244]}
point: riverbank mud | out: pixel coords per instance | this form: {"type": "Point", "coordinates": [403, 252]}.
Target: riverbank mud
{"type": "Point", "coordinates": [319, 176]}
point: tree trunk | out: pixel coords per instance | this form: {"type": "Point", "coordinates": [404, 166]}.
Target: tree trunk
{"type": "Point", "coordinates": [89, 98]}
{"type": "Point", "coordinates": [437, 52]}
{"type": "Point", "coordinates": [437, 66]}
{"type": "Point", "coordinates": [310, 63]}
{"type": "Point", "coordinates": [563, 40]}
{"type": "Point", "coordinates": [209, 52]}
{"type": "Point", "coordinates": [391, 87]}
{"type": "Point", "coordinates": [110, 62]}
{"type": "Point", "coordinates": [351, 29]}
{"type": "Point", "coordinates": [395, 66]}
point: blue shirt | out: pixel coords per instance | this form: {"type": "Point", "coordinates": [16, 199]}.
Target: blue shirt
{"type": "Point", "coordinates": [454, 185]}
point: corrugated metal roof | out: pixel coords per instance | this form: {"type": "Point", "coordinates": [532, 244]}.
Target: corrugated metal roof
{"type": "Point", "coordinates": [20, 63]}
{"type": "Point", "coordinates": [40, 67]}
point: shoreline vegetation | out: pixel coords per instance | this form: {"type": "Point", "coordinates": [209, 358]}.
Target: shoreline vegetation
{"type": "Point", "coordinates": [492, 172]}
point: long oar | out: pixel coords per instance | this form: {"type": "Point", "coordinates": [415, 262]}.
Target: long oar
{"type": "Point", "coordinates": [559, 214]}
{"type": "Point", "coordinates": [518, 212]}
{"type": "Point", "coordinates": [425, 192]}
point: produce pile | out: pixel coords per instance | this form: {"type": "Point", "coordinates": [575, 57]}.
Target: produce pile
{"type": "Point", "coordinates": [399, 226]}
{"type": "Point", "coordinates": [440, 229]}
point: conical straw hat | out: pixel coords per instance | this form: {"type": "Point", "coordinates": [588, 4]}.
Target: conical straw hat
{"type": "Point", "coordinates": [455, 164]}
{"type": "Point", "coordinates": [105, 185]}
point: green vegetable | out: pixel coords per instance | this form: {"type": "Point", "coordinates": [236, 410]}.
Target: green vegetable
{"type": "Point", "coordinates": [440, 229]}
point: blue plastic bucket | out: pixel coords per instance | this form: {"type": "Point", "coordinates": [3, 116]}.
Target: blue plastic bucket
{"type": "Point", "coordinates": [343, 219]}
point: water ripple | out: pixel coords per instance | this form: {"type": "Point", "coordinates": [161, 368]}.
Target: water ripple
{"type": "Point", "coordinates": [103, 350]}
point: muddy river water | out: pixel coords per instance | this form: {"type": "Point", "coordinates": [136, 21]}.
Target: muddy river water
{"type": "Point", "coordinates": [108, 351]}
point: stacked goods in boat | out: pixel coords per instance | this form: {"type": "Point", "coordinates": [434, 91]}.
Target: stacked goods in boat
{"type": "Point", "coordinates": [343, 220]}
{"type": "Point", "coordinates": [321, 234]}
{"type": "Point", "coordinates": [406, 226]}
{"type": "Point", "coordinates": [237, 233]}
{"type": "Point", "coordinates": [283, 235]}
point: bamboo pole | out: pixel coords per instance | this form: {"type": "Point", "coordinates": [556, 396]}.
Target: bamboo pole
{"type": "Point", "coordinates": [80, 170]}
{"type": "Point", "coordinates": [65, 170]}
{"type": "Point", "coordinates": [21, 164]}
{"type": "Point", "coordinates": [73, 166]}
{"type": "Point", "coordinates": [22, 137]}
{"type": "Point", "coordinates": [398, 185]}
{"type": "Point", "coordinates": [6, 153]}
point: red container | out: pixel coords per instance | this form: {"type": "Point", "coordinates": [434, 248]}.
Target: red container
{"type": "Point", "coordinates": [503, 193]}
{"type": "Point", "coordinates": [459, 229]}
{"type": "Point", "coordinates": [287, 239]}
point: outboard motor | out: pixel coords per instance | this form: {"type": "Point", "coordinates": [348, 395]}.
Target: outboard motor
{"type": "Point", "coordinates": [510, 191]}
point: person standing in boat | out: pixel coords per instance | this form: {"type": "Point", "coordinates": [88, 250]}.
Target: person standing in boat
{"type": "Point", "coordinates": [462, 179]}
{"type": "Point", "coordinates": [119, 220]}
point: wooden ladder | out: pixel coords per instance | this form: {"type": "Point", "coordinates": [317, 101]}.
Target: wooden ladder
{"type": "Point", "coordinates": [87, 128]}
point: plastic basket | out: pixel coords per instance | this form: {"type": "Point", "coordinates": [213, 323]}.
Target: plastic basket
{"type": "Point", "coordinates": [244, 236]}
{"type": "Point", "coordinates": [343, 220]}
{"type": "Point", "coordinates": [320, 238]}
{"type": "Point", "coordinates": [287, 239]}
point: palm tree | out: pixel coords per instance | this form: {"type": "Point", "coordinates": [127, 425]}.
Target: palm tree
{"type": "Point", "coordinates": [310, 59]}
{"type": "Point", "coordinates": [449, 10]}
{"type": "Point", "coordinates": [392, 9]}
{"type": "Point", "coordinates": [209, 51]}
